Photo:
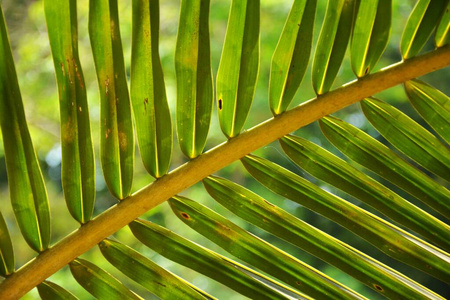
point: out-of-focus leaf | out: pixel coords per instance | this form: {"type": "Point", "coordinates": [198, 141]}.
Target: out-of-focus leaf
{"type": "Point", "coordinates": [194, 77]}
{"type": "Point", "coordinates": [116, 127]}
{"type": "Point", "coordinates": [200, 259]}
{"type": "Point", "coordinates": [420, 26]}
{"type": "Point", "coordinates": [376, 157]}
{"type": "Point", "coordinates": [258, 253]}
{"type": "Point", "coordinates": [98, 282]}
{"type": "Point", "coordinates": [148, 92]}
{"type": "Point", "coordinates": [155, 279]}
{"type": "Point", "coordinates": [370, 35]}
{"type": "Point", "coordinates": [291, 56]}
{"type": "Point", "coordinates": [269, 217]}
{"type": "Point", "coordinates": [51, 291]}
{"type": "Point", "coordinates": [409, 137]}
{"type": "Point", "coordinates": [432, 105]}
{"type": "Point", "coordinates": [78, 171]}
{"type": "Point", "coordinates": [6, 250]}
{"type": "Point", "coordinates": [239, 65]}
{"type": "Point", "coordinates": [389, 238]}
{"type": "Point", "coordinates": [330, 168]}
{"type": "Point", "coordinates": [26, 185]}
{"type": "Point", "coordinates": [442, 36]}
{"type": "Point", "coordinates": [332, 44]}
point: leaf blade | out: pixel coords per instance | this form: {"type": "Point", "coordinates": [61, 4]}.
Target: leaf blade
{"type": "Point", "coordinates": [7, 262]}
{"type": "Point", "coordinates": [51, 291]}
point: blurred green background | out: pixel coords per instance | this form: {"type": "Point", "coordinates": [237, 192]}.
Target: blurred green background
{"type": "Point", "coordinates": [27, 30]}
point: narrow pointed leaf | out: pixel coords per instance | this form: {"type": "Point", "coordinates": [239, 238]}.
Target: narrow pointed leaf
{"type": "Point", "coordinates": [389, 238]}
{"type": "Point", "coordinates": [116, 128]}
{"type": "Point", "coordinates": [330, 168]}
{"type": "Point", "coordinates": [98, 282]}
{"type": "Point", "coordinates": [51, 291]}
{"type": "Point", "coordinates": [148, 92]}
{"type": "Point", "coordinates": [78, 171]}
{"type": "Point", "coordinates": [155, 279]}
{"type": "Point", "coordinates": [370, 35]}
{"type": "Point", "coordinates": [239, 66]}
{"type": "Point", "coordinates": [376, 157]}
{"type": "Point", "coordinates": [420, 26]}
{"type": "Point", "coordinates": [6, 250]}
{"type": "Point", "coordinates": [269, 217]}
{"type": "Point", "coordinates": [442, 36]}
{"type": "Point", "coordinates": [409, 137]}
{"type": "Point", "coordinates": [432, 105]}
{"type": "Point", "coordinates": [291, 57]}
{"type": "Point", "coordinates": [258, 253]}
{"type": "Point", "coordinates": [194, 77]}
{"type": "Point", "coordinates": [332, 44]}
{"type": "Point", "coordinates": [26, 185]}
{"type": "Point", "coordinates": [200, 259]}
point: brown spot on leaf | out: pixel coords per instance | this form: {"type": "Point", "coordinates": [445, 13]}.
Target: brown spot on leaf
{"type": "Point", "coordinates": [107, 133]}
{"type": "Point", "coordinates": [123, 141]}
{"type": "Point", "coordinates": [185, 216]}
{"type": "Point", "coordinates": [379, 288]}
{"type": "Point", "coordinates": [107, 85]}
{"type": "Point", "coordinates": [220, 104]}
{"type": "Point", "coordinates": [161, 284]}
{"type": "Point", "coordinates": [145, 104]}
{"type": "Point", "coordinates": [366, 71]}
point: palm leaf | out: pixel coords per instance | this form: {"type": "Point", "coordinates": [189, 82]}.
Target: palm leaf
{"type": "Point", "coordinates": [6, 250]}
{"type": "Point", "coordinates": [49, 290]}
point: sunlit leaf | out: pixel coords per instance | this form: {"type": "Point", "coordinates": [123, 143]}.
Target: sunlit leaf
{"type": "Point", "coordinates": [387, 237]}
{"type": "Point", "coordinates": [26, 185]}
{"type": "Point", "coordinates": [291, 56]}
{"type": "Point", "coordinates": [420, 26]}
{"type": "Point", "coordinates": [442, 36]}
{"type": "Point", "coordinates": [200, 259]}
{"type": "Point", "coordinates": [258, 253]}
{"type": "Point", "coordinates": [148, 274]}
{"type": "Point", "coordinates": [78, 171]}
{"type": "Point", "coordinates": [116, 128]}
{"type": "Point", "coordinates": [51, 291]}
{"type": "Point", "coordinates": [148, 92]}
{"type": "Point", "coordinates": [332, 43]}
{"type": "Point", "coordinates": [6, 250]}
{"type": "Point", "coordinates": [432, 105]}
{"type": "Point", "coordinates": [376, 157]}
{"type": "Point", "coordinates": [370, 35]}
{"type": "Point", "coordinates": [239, 66]}
{"type": "Point", "coordinates": [329, 168]}
{"type": "Point", "coordinates": [194, 77]}
{"type": "Point", "coordinates": [98, 282]}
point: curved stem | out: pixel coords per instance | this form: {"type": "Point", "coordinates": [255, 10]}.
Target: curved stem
{"type": "Point", "coordinates": [118, 216]}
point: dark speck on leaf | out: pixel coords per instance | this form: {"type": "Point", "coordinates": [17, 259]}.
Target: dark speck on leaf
{"type": "Point", "coordinates": [220, 104]}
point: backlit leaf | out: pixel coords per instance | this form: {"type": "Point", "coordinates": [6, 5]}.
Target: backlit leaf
{"type": "Point", "coordinates": [6, 249]}
{"type": "Point", "coordinates": [51, 291]}
{"type": "Point", "coordinates": [442, 36]}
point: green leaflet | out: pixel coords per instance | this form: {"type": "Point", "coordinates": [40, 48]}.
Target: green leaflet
{"type": "Point", "coordinates": [148, 93]}
{"type": "Point", "coordinates": [194, 77]}
{"type": "Point", "coordinates": [376, 157]}
{"type": "Point", "coordinates": [269, 217]}
{"type": "Point", "coordinates": [409, 137]}
{"type": "Point", "coordinates": [432, 105]}
{"type": "Point", "coordinates": [330, 168]}
{"type": "Point", "coordinates": [420, 26]}
{"type": "Point", "coordinates": [155, 279]}
{"type": "Point", "coordinates": [26, 185]}
{"type": "Point", "coordinates": [290, 59]}
{"type": "Point", "coordinates": [442, 36]}
{"type": "Point", "coordinates": [6, 250]}
{"type": "Point", "coordinates": [98, 282]}
{"type": "Point", "coordinates": [389, 238]}
{"type": "Point", "coordinates": [370, 35]}
{"type": "Point", "coordinates": [78, 170]}
{"type": "Point", "coordinates": [239, 65]}
{"type": "Point", "coordinates": [51, 291]}
{"type": "Point", "coordinates": [116, 128]}
{"type": "Point", "coordinates": [332, 43]}
{"type": "Point", "coordinates": [257, 252]}
{"type": "Point", "coordinates": [207, 262]}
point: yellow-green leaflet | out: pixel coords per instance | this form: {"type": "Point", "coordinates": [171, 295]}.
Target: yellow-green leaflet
{"type": "Point", "coordinates": [442, 36]}
{"type": "Point", "coordinates": [116, 128]}
{"type": "Point", "coordinates": [148, 92]}
{"type": "Point", "coordinates": [239, 66]}
{"type": "Point", "coordinates": [26, 185]}
{"type": "Point", "coordinates": [332, 43]}
{"type": "Point", "coordinates": [290, 60]}
{"type": "Point", "coordinates": [421, 23]}
{"type": "Point", "coordinates": [194, 77]}
{"type": "Point", "coordinates": [370, 35]}
{"type": "Point", "coordinates": [6, 250]}
{"type": "Point", "coordinates": [98, 282]}
{"type": "Point", "coordinates": [78, 170]}
{"type": "Point", "coordinates": [51, 291]}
